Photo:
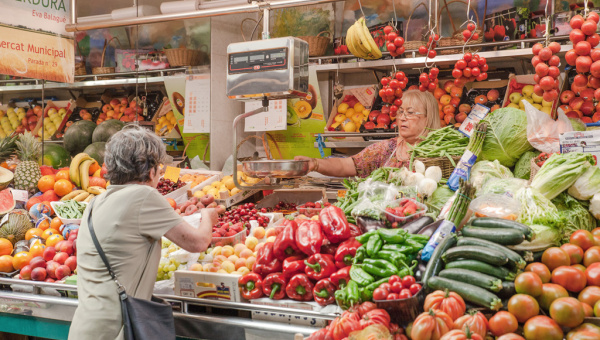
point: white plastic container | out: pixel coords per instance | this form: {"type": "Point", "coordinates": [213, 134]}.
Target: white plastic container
{"type": "Point", "coordinates": [65, 220]}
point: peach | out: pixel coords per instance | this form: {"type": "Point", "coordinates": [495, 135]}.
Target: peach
{"type": "Point", "coordinates": [38, 274]}
{"type": "Point", "coordinates": [61, 258]}
{"type": "Point", "coordinates": [445, 99]}
{"type": "Point", "coordinates": [242, 271]}
{"type": "Point", "coordinates": [66, 247]}
{"type": "Point", "coordinates": [49, 279]}
{"type": "Point", "coordinates": [258, 232]}
{"type": "Point", "coordinates": [25, 273]}
{"type": "Point", "coordinates": [271, 233]}
{"type": "Point", "coordinates": [219, 259]}
{"type": "Point", "coordinates": [493, 95]}
{"type": "Point", "coordinates": [227, 252]}
{"type": "Point", "coordinates": [196, 267]}
{"type": "Point", "coordinates": [216, 251]}
{"type": "Point", "coordinates": [62, 271]}
{"type": "Point", "coordinates": [271, 238]}
{"type": "Point", "coordinates": [466, 108]}
{"type": "Point", "coordinates": [228, 266]}
{"type": "Point", "coordinates": [206, 267]}
{"type": "Point", "coordinates": [51, 268]}
{"type": "Point", "coordinates": [71, 262]}
{"type": "Point", "coordinates": [238, 248]}
{"type": "Point", "coordinates": [251, 242]}
{"type": "Point", "coordinates": [239, 263]}
{"type": "Point", "coordinates": [246, 253]}
{"type": "Point", "coordinates": [250, 261]}
{"type": "Point", "coordinates": [36, 262]}
{"type": "Point", "coordinates": [233, 258]}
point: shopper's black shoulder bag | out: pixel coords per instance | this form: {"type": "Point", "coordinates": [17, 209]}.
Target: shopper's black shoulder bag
{"type": "Point", "coordinates": [142, 319]}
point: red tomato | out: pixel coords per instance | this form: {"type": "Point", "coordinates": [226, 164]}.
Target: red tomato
{"type": "Point", "coordinates": [572, 279]}
{"type": "Point", "coordinates": [587, 330]}
{"type": "Point", "coordinates": [589, 295]}
{"type": "Point", "coordinates": [596, 231]}
{"type": "Point", "coordinates": [511, 336]}
{"type": "Point", "coordinates": [380, 293]}
{"type": "Point", "coordinates": [575, 252]}
{"type": "Point", "coordinates": [392, 296]}
{"type": "Point", "coordinates": [592, 255]}
{"type": "Point", "coordinates": [396, 287]}
{"type": "Point", "coordinates": [592, 274]}
{"type": "Point", "coordinates": [567, 312]}
{"type": "Point", "coordinates": [393, 279]}
{"type": "Point", "coordinates": [386, 286]}
{"type": "Point", "coordinates": [476, 322]}
{"type": "Point", "coordinates": [541, 270]}
{"type": "Point", "coordinates": [503, 323]}
{"type": "Point", "coordinates": [523, 307]}
{"type": "Point", "coordinates": [542, 328]}
{"type": "Point", "coordinates": [579, 266]}
{"type": "Point", "coordinates": [408, 281]}
{"type": "Point", "coordinates": [588, 310]}
{"type": "Point", "coordinates": [431, 325]}
{"type": "Point", "coordinates": [448, 302]}
{"type": "Point", "coordinates": [414, 289]}
{"type": "Point", "coordinates": [404, 294]}
{"type": "Point", "coordinates": [457, 334]}
{"type": "Point", "coordinates": [342, 327]}
{"type": "Point", "coordinates": [528, 283]}
{"type": "Point", "coordinates": [555, 257]}
{"type": "Point", "coordinates": [551, 292]}
{"type": "Point", "coordinates": [583, 239]}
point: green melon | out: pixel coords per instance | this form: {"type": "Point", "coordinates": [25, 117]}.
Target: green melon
{"type": "Point", "coordinates": [56, 156]}
{"type": "Point", "coordinates": [96, 151]}
{"type": "Point", "coordinates": [106, 129]}
{"type": "Point", "coordinates": [79, 136]}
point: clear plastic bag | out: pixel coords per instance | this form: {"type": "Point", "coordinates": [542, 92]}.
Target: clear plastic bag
{"type": "Point", "coordinates": [542, 131]}
{"type": "Point", "coordinates": [373, 197]}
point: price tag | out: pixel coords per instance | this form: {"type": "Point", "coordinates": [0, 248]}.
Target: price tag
{"type": "Point", "coordinates": [172, 173]}
{"type": "Point", "coordinates": [341, 193]}
{"type": "Point", "coordinates": [20, 195]}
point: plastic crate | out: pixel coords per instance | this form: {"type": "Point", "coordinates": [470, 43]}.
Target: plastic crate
{"type": "Point", "coordinates": [401, 220]}
{"type": "Point", "coordinates": [229, 240]}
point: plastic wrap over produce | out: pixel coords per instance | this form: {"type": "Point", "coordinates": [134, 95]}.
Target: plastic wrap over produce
{"type": "Point", "coordinates": [542, 131]}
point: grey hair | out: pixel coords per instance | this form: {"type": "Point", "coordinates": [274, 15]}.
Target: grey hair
{"type": "Point", "coordinates": [131, 153]}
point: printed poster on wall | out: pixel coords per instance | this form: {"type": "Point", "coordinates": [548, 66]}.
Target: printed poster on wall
{"type": "Point", "coordinates": [196, 142]}
{"type": "Point", "coordinates": [197, 104]}
{"type": "Point", "coordinates": [33, 40]}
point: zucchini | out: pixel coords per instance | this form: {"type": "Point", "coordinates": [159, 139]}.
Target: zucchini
{"type": "Point", "coordinates": [494, 222]}
{"type": "Point", "coordinates": [515, 260]}
{"type": "Point", "coordinates": [435, 264]}
{"type": "Point", "coordinates": [500, 272]}
{"type": "Point", "coordinates": [468, 292]}
{"type": "Point", "coordinates": [506, 236]}
{"type": "Point", "coordinates": [487, 255]}
{"type": "Point", "coordinates": [508, 290]}
{"type": "Point", "coordinates": [472, 277]}
{"type": "Point", "coordinates": [537, 256]}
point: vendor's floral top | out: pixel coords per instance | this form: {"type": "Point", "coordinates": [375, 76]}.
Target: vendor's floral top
{"type": "Point", "coordinates": [381, 154]}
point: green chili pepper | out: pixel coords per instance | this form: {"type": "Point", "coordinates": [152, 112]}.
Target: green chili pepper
{"type": "Point", "coordinates": [364, 238]}
{"type": "Point", "coordinates": [418, 238]}
{"type": "Point", "coordinates": [415, 245]}
{"type": "Point", "coordinates": [393, 236]}
{"type": "Point", "coordinates": [361, 253]}
{"type": "Point", "coordinates": [353, 294]}
{"type": "Point", "coordinates": [361, 277]}
{"type": "Point", "coordinates": [374, 245]}
{"type": "Point", "coordinates": [404, 249]}
{"type": "Point", "coordinates": [407, 270]}
{"type": "Point", "coordinates": [380, 268]}
{"type": "Point", "coordinates": [341, 297]}
{"type": "Point", "coordinates": [391, 256]}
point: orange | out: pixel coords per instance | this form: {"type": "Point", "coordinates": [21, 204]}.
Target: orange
{"type": "Point", "coordinates": [63, 174]}
{"type": "Point", "coordinates": [46, 183]}
{"type": "Point", "coordinates": [44, 225]}
{"type": "Point", "coordinates": [37, 249]}
{"type": "Point", "coordinates": [54, 239]}
{"type": "Point", "coordinates": [94, 167]}
{"type": "Point", "coordinates": [49, 232]}
{"type": "Point", "coordinates": [6, 265]}
{"type": "Point", "coordinates": [33, 232]}
{"type": "Point", "coordinates": [21, 260]}
{"type": "Point", "coordinates": [63, 187]}
{"type": "Point", "coordinates": [97, 181]}
{"type": "Point", "coordinates": [56, 223]}
{"type": "Point", "coordinates": [6, 247]}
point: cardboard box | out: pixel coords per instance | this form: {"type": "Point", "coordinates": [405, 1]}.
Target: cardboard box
{"type": "Point", "coordinates": [237, 198]}
{"type": "Point", "coordinates": [296, 196]}
{"type": "Point", "coordinates": [207, 285]}
{"type": "Point", "coordinates": [213, 177]}
{"type": "Point", "coordinates": [527, 80]}
{"type": "Point", "coordinates": [365, 95]}
{"type": "Point", "coordinates": [69, 105]}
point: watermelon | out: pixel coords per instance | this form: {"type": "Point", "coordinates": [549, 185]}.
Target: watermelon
{"type": "Point", "coordinates": [96, 151]}
{"type": "Point", "coordinates": [56, 156]}
{"type": "Point", "coordinates": [79, 136]}
{"type": "Point", "coordinates": [7, 202]}
{"type": "Point", "coordinates": [106, 129]}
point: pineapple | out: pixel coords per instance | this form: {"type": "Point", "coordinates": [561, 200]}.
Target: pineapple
{"type": "Point", "coordinates": [7, 150]}
{"type": "Point", "coordinates": [27, 173]}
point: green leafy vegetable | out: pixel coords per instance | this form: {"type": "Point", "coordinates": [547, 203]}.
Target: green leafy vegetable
{"type": "Point", "coordinates": [560, 171]}
{"type": "Point", "coordinates": [484, 171]}
{"type": "Point", "coordinates": [577, 124]}
{"type": "Point", "coordinates": [438, 199]}
{"type": "Point", "coordinates": [523, 166]}
{"type": "Point", "coordinates": [545, 237]}
{"type": "Point", "coordinates": [537, 209]}
{"type": "Point", "coordinates": [587, 185]}
{"type": "Point", "coordinates": [506, 138]}
{"type": "Point", "coordinates": [502, 186]}
{"type": "Point", "coordinates": [575, 215]}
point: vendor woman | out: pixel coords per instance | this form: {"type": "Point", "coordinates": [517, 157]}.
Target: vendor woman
{"type": "Point", "coordinates": [418, 115]}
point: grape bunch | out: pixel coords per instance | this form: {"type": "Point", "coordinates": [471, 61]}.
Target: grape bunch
{"type": "Point", "coordinates": [470, 33]}
{"type": "Point", "coordinates": [394, 43]}
{"type": "Point", "coordinates": [469, 68]}
{"type": "Point", "coordinates": [166, 186]}
{"type": "Point", "coordinates": [431, 45]}
{"type": "Point", "coordinates": [429, 81]}
{"type": "Point", "coordinates": [545, 61]}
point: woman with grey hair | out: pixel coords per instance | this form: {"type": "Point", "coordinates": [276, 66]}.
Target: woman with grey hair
{"type": "Point", "coordinates": [129, 220]}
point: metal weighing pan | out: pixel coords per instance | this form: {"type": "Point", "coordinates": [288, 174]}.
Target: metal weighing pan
{"type": "Point", "coordinates": [275, 168]}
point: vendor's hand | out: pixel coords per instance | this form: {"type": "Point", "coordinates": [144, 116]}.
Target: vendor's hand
{"type": "Point", "coordinates": [311, 161]}
{"type": "Point", "coordinates": [210, 214]}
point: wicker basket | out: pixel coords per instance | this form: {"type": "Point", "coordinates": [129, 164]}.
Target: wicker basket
{"type": "Point", "coordinates": [457, 38]}
{"type": "Point", "coordinates": [534, 169]}
{"type": "Point", "coordinates": [413, 44]}
{"type": "Point", "coordinates": [403, 311]}
{"type": "Point", "coordinates": [443, 162]}
{"type": "Point", "coordinates": [80, 69]}
{"type": "Point", "coordinates": [102, 69]}
{"type": "Point", "coordinates": [317, 45]}
{"type": "Point", "coordinates": [183, 57]}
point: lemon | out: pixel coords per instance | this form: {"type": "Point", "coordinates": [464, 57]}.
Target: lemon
{"type": "Point", "coordinates": [234, 191]}
{"type": "Point", "coordinates": [350, 127]}
{"type": "Point", "coordinates": [206, 188]}
{"type": "Point", "coordinates": [216, 184]}
{"type": "Point", "coordinates": [229, 183]}
{"type": "Point", "coordinates": [214, 192]}
{"type": "Point", "coordinates": [170, 115]}
{"type": "Point", "coordinates": [342, 108]}
{"type": "Point", "coordinates": [350, 112]}
{"type": "Point", "coordinates": [358, 107]}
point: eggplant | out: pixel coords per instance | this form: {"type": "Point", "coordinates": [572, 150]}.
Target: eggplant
{"type": "Point", "coordinates": [418, 224]}
{"type": "Point", "coordinates": [367, 224]}
{"type": "Point", "coordinates": [430, 229]}
{"type": "Point", "coordinates": [420, 270]}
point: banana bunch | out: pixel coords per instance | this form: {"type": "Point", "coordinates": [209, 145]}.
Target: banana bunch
{"type": "Point", "coordinates": [79, 170]}
{"type": "Point", "coordinates": [360, 42]}
{"type": "Point", "coordinates": [84, 195]}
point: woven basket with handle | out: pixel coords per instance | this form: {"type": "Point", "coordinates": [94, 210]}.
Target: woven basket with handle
{"type": "Point", "coordinates": [443, 162]}
{"type": "Point", "coordinates": [102, 69]}
{"type": "Point", "coordinates": [183, 56]}
{"type": "Point", "coordinates": [457, 38]}
{"type": "Point", "coordinates": [413, 44]}
{"type": "Point", "coordinates": [317, 45]}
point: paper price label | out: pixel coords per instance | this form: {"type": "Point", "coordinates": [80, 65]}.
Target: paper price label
{"type": "Point", "coordinates": [20, 195]}
{"type": "Point", "coordinates": [172, 173]}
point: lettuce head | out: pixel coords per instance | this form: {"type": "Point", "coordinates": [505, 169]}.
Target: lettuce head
{"type": "Point", "coordinates": [506, 138]}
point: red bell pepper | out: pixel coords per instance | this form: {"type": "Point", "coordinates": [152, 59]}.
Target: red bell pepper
{"type": "Point", "coordinates": [320, 266]}
{"type": "Point", "coordinates": [335, 225]}
{"type": "Point", "coordinates": [341, 277]}
{"type": "Point", "coordinates": [328, 248]}
{"type": "Point", "coordinates": [274, 286]}
{"type": "Point", "coordinates": [300, 288]}
{"type": "Point", "coordinates": [251, 285]}
{"type": "Point", "coordinates": [324, 292]}
{"type": "Point", "coordinates": [285, 242]}
{"type": "Point", "coordinates": [293, 265]}
{"type": "Point", "coordinates": [354, 230]}
{"type": "Point", "coordinates": [345, 252]}
{"type": "Point", "coordinates": [266, 262]}
{"type": "Point", "coordinates": [309, 237]}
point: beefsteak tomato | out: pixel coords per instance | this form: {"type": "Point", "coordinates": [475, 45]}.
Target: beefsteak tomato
{"type": "Point", "coordinates": [375, 316]}
{"type": "Point", "coordinates": [540, 269]}
{"type": "Point", "coordinates": [523, 307]}
{"type": "Point", "coordinates": [448, 302]}
{"type": "Point", "coordinates": [542, 328]}
{"type": "Point", "coordinates": [555, 257]}
{"type": "Point", "coordinates": [457, 334]}
{"type": "Point", "coordinates": [365, 307]}
{"type": "Point", "coordinates": [551, 292]}
{"type": "Point", "coordinates": [343, 326]}
{"type": "Point", "coordinates": [589, 295]}
{"type": "Point", "coordinates": [567, 312]}
{"type": "Point", "coordinates": [431, 325]}
{"type": "Point", "coordinates": [571, 278]}
{"type": "Point", "coordinates": [592, 274]}
{"type": "Point", "coordinates": [503, 323]}
{"type": "Point", "coordinates": [474, 321]}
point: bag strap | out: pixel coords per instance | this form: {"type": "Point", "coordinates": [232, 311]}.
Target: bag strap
{"type": "Point", "coordinates": [121, 289]}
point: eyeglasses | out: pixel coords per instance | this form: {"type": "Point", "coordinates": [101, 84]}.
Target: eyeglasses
{"type": "Point", "coordinates": [408, 113]}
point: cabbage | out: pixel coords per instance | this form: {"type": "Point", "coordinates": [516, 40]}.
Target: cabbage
{"type": "Point", "coordinates": [506, 137]}
{"type": "Point", "coordinates": [545, 237]}
{"type": "Point", "coordinates": [485, 170]}
{"type": "Point", "coordinates": [575, 215]}
{"type": "Point", "coordinates": [502, 186]}
{"type": "Point", "coordinates": [523, 166]}
{"type": "Point", "coordinates": [587, 185]}
{"type": "Point", "coordinates": [537, 209]}
{"type": "Point", "coordinates": [560, 171]}
{"type": "Point", "coordinates": [438, 199]}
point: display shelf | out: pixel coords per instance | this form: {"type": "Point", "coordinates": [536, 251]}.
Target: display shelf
{"type": "Point", "coordinates": [347, 144]}
{"type": "Point", "coordinates": [353, 143]}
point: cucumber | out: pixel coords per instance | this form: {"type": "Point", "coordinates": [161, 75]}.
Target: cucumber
{"type": "Point", "coordinates": [487, 255]}
{"type": "Point", "coordinates": [515, 260]}
{"type": "Point", "coordinates": [468, 292]}
{"type": "Point", "coordinates": [500, 272]}
{"type": "Point", "coordinates": [435, 264]}
{"type": "Point", "coordinates": [472, 277]}
{"type": "Point", "coordinates": [506, 236]}
{"type": "Point", "coordinates": [494, 222]}
{"type": "Point", "coordinates": [508, 290]}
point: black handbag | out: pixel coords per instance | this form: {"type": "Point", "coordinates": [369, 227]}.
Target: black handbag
{"type": "Point", "coordinates": [142, 319]}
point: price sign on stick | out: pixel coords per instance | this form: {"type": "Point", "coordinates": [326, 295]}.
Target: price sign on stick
{"type": "Point", "coordinates": [172, 173]}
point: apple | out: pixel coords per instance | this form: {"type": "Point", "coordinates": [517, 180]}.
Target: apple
{"type": "Point", "coordinates": [51, 268]}
{"type": "Point", "coordinates": [62, 271]}
{"type": "Point", "coordinates": [587, 108]}
{"type": "Point", "coordinates": [36, 262]}
{"type": "Point", "coordinates": [465, 108]}
{"type": "Point", "coordinates": [576, 103]}
{"type": "Point", "coordinates": [38, 274]}
{"type": "Point", "coordinates": [71, 262]}
{"type": "Point", "coordinates": [515, 97]}
{"type": "Point", "coordinates": [460, 117]}
{"type": "Point", "coordinates": [369, 125]}
{"type": "Point", "coordinates": [573, 114]}
{"type": "Point", "coordinates": [49, 253]}
{"type": "Point", "coordinates": [25, 273]}
{"type": "Point", "coordinates": [60, 258]}
{"type": "Point", "coordinates": [587, 94]}
{"type": "Point", "coordinates": [448, 85]}
{"type": "Point", "coordinates": [565, 108]}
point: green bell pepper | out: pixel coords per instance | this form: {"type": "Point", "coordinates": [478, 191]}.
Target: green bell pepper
{"type": "Point", "coordinates": [393, 236]}
{"type": "Point", "coordinates": [379, 268]}
{"type": "Point", "coordinates": [360, 276]}
{"type": "Point", "coordinates": [374, 245]}
{"type": "Point", "coordinates": [418, 238]}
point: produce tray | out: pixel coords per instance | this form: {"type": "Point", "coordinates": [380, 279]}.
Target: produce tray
{"type": "Point", "coordinates": [180, 195]}
{"type": "Point", "coordinates": [402, 220]}
{"type": "Point", "coordinates": [64, 220]}
{"type": "Point", "coordinates": [403, 311]}
{"type": "Point", "coordinates": [229, 240]}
